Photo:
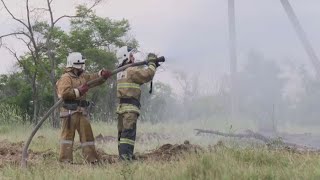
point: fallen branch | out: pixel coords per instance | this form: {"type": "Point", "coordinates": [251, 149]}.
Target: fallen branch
{"type": "Point", "coordinates": [248, 135]}
{"type": "Point", "coordinates": [266, 140]}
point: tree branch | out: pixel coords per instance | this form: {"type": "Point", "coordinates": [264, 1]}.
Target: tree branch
{"type": "Point", "coordinates": [39, 9]}
{"type": "Point", "coordinates": [31, 31]}
{"type": "Point", "coordinates": [50, 12]}
{"type": "Point", "coordinates": [251, 134]}
{"type": "Point", "coordinates": [49, 43]}
{"type": "Point", "coordinates": [64, 16]}
{"type": "Point", "coordinates": [70, 16]}
{"type": "Point", "coordinates": [96, 2]}
{"type": "Point", "coordinates": [28, 15]}
{"type": "Point", "coordinates": [14, 34]}
{"type": "Point", "coordinates": [18, 20]}
{"type": "Point", "coordinates": [14, 54]}
{"type": "Point", "coordinates": [25, 42]}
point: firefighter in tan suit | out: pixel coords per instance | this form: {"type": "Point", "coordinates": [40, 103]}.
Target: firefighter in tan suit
{"type": "Point", "coordinates": [128, 92]}
{"type": "Point", "coordinates": [72, 88]}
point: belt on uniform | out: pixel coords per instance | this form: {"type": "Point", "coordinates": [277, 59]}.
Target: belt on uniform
{"type": "Point", "coordinates": [73, 104]}
{"type": "Point", "coordinates": [131, 101]}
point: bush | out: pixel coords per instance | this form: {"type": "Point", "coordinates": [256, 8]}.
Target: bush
{"type": "Point", "coordinates": [11, 114]}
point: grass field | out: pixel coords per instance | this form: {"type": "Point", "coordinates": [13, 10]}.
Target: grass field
{"type": "Point", "coordinates": [232, 160]}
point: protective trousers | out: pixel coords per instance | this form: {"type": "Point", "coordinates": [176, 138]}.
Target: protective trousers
{"type": "Point", "coordinates": [80, 123]}
{"type": "Point", "coordinates": [127, 125]}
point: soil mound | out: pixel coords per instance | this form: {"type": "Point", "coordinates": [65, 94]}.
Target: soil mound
{"type": "Point", "coordinates": [141, 138]}
{"type": "Point", "coordinates": [107, 158]}
{"type": "Point", "coordinates": [166, 152]}
{"type": "Point", "coordinates": [10, 153]}
{"type": "Point", "coordinates": [169, 152]}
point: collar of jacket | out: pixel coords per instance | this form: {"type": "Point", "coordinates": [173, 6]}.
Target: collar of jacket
{"type": "Point", "coordinates": [70, 72]}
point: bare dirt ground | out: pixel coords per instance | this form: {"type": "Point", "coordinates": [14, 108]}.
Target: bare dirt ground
{"type": "Point", "coordinates": [10, 153]}
{"type": "Point", "coordinates": [167, 152]}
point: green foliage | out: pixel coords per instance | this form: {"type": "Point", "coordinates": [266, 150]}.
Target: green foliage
{"type": "Point", "coordinates": [97, 32]}
{"type": "Point", "coordinates": [260, 88]}
{"type": "Point", "coordinates": [158, 106]}
{"type": "Point", "coordinates": [16, 92]}
{"type": "Point", "coordinates": [98, 59]}
{"type": "Point", "coordinates": [10, 114]}
{"type": "Point", "coordinates": [32, 89]}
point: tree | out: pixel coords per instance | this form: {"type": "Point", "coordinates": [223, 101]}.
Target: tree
{"type": "Point", "coordinates": [158, 106]}
{"type": "Point", "coordinates": [260, 89]}
{"type": "Point", "coordinates": [15, 91]}
{"type": "Point", "coordinates": [305, 109]}
{"type": "Point", "coordinates": [48, 45]}
{"type": "Point", "coordinates": [190, 87]}
{"type": "Point", "coordinates": [41, 38]}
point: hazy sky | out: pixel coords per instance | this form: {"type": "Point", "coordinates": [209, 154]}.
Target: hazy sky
{"type": "Point", "coordinates": [194, 33]}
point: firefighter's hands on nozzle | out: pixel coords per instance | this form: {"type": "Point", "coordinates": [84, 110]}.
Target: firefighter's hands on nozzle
{"type": "Point", "coordinates": [157, 64]}
{"type": "Point", "coordinates": [83, 89]}
{"type": "Point", "coordinates": [151, 58]}
{"type": "Point", "coordinates": [105, 74]}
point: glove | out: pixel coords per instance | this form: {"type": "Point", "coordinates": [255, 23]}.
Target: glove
{"type": "Point", "coordinates": [152, 64]}
{"type": "Point", "coordinates": [152, 56]}
{"type": "Point", "coordinates": [83, 89]}
{"type": "Point", "coordinates": [105, 74]}
{"type": "Point", "coordinates": [157, 64]}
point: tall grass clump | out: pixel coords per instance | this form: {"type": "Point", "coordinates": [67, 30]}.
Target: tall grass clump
{"type": "Point", "coordinates": [10, 114]}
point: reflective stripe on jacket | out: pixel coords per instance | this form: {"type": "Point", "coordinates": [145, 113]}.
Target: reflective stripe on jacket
{"type": "Point", "coordinates": [128, 85]}
{"type": "Point", "coordinates": [67, 86]}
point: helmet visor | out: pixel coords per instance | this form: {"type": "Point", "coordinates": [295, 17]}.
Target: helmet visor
{"type": "Point", "coordinates": [80, 62]}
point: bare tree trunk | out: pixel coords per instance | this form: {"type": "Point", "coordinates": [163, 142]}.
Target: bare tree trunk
{"type": "Point", "coordinates": [55, 118]}
{"type": "Point", "coordinates": [55, 114]}
{"type": "Point", "coordinates": [35, 96]}
{"type": "Point", "coordinates": [35, 107]}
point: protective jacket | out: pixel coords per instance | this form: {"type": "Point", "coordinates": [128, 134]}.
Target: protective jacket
{"type": "Point", "coordinates": [67, 88]}
{"type": "Point", "coordinates": [128, 86]}
{"type": "Point", "coordinates": [74, 117]}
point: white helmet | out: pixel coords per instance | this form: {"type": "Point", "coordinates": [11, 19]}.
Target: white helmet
{"type": "Point", "coordinates": [123, 54]}
{"type": "Point", "coordinates": [76, 60]}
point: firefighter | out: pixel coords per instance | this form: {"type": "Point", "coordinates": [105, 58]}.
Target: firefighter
{"type": "Point", "coordinates": [129, 92]}
{"type": "Point", "coordinates": [72, 88]}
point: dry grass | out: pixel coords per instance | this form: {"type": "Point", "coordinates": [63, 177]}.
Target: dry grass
{"type": "Point", "coordinates": [222, 162]}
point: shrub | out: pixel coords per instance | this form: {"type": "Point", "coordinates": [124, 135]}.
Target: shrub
{"type": "Point", "coordinates": [11, 114]}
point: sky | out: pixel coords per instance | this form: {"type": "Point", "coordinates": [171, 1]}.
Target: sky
{"type": "Point", "coordinates": [193, 34]}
